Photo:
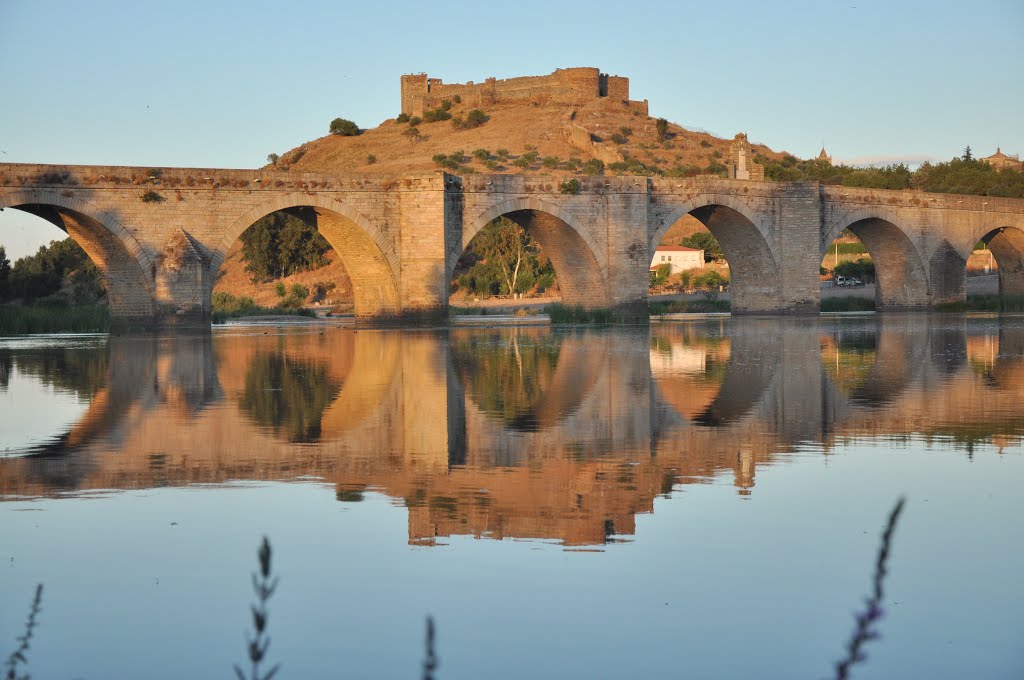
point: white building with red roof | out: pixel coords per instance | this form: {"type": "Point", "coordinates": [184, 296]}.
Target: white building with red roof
{"type": "Point", "coordinates": [679, 258]}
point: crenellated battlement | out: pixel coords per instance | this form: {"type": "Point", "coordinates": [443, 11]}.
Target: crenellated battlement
{"type": "Point", "coordinates": [571, 86]}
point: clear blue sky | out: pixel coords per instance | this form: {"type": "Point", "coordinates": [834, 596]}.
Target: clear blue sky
{"type": "Point", "coordinates": [222, 84]}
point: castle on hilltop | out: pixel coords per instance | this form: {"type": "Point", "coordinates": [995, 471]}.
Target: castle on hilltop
{"type": "Point", "coordinates": [570, 86]}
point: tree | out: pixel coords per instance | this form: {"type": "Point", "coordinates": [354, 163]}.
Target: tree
{"type": "Point", "coordinates": [413, 133]}
{"type": "Point", "coordinates": [283, 243]}
{"type": "Point", "coordinates": [968, 156]}
{"type": "Point", "coordinates": [5, 272]}
{"type": "Point", "coordinates": [344, 128]}
{"type": "Point", "coordinates": [662, 126]}
{"type": "Point", "coordinates": [273, 158]}
{"type": "Point", "coordinates": [704, 240]}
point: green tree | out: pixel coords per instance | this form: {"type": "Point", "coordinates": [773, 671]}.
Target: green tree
{"type": "Point", "coordinates": [704, 240]}
{"type": "Point", "coordinates": [968, 156]}
{"type": "Point", "coordinates": [283, 243]}
{"type": "Point", "coordinates": [344, 128]}
{"type": "Point", "coordinates": [5, 272]}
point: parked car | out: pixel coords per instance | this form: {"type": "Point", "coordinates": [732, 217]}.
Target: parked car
{"type": "Point", "coordinates": [842, 281]}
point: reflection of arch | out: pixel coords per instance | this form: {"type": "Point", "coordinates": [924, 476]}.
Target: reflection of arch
{"type": "Point", "coordinates": [579, 262]}
{"type": "Point", "coordinates": [749, 367]}
{"type": "Point", "coordinates": [749, 248]}
{"type": "Point", "coordinates": [897, 352]}
{"type": "Point", "coordinates": [577, 366]}
{"type": "Point", "coordinates": [900, 276]}
{"type": "Point", "coordinates": [364, 364]}
{"type": "Point", "coordinates": [369, 258]}
{"type": "Point", "coordinates": [127, 269]}
{"type": "Point", "coordinates": [753, 361]}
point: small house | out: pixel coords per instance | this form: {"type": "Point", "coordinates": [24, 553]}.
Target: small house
{"type": "Point", "coordinates": [680, 258]}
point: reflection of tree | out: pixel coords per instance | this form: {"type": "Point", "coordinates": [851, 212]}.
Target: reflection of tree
{"type": "Point", "coordinates": [288, 395]}
{"type": "Point", "coordinates": [507, 375]}
{"type": "Point", "coordinates": [81, 370]}
{"type": "Point", "coordinates": [850, 361]}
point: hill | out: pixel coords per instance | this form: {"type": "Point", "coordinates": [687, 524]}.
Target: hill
{"type": "Point", "coordinates": [609, 131]}
{"type": "Point", "coordinates": [529, 132]}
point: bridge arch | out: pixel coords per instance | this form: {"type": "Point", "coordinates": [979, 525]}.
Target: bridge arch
{"type": "Point", "coordinates": [580, 264]}
{"type": "Point", "coordinates": [1007, 246]}
{"type": "Point", "coordinates": [367, 254]}
{"type": "Point", "coordinates": [901, 278]}
{"type": "Point", "coordinates": [747, 243]}
{"type": "Point", "coordinates": [127, 270]}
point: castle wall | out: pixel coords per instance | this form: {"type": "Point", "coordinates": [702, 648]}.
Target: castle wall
{"type": "Point", "coordinates": [574, 86]}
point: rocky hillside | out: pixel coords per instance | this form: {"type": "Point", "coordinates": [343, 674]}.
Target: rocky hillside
{"type": "Point", "coordinates": [605, 130]}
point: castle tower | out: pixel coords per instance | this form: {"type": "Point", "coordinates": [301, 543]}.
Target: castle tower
{"type": "Point", "coordinates": [741, 163]}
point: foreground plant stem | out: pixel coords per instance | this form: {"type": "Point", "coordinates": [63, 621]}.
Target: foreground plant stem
{"type": "Point", "coordinates": [873, 612]}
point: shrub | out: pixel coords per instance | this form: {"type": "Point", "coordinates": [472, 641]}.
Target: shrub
{"type": "Point", "coordinates": [662, 127]}
{"type": "Point", "coordinates": [522, 162]}
{"type": "Point", "coordinates": [280, 289]}
{"type": "Point", "coordinates": [492, 164]}
{"type": "Point", "coordinates": [299, 291]}
{"type": "Point", "coordinates": [626, 131]}
{"type": "Point", "coordinates": [502, 153]}
{"type": "Point", "coordinates": [618, 138]}
{"type": "Point", "coordinates": [371, 159]}
{"type": "Point", "coordinates": [402, 118]}
{"type": "Point", "coordinates": [481, 154]}
{"type": "Point", "coordinates": [551, 162]}
{"type": "Point", "coordinates": [593, 167]}
{"type": "Point", "coordinates": [344, 128]}
{"type": "Point", "coordinates": [457, 99]}
{"type": "Point", "coordinates": [705, 143]}
{"type": "Point", "coordinates": [476, 118]}
{"type": "Point", "coordinates": [152, 197]}
{"type": "Point", "coordinates": [415, 120]}
{"type": "Point", "coordinates": [531, 155]}
{"type": "Point", "coordinates": [273, 158]}
{"type": "Point", "coordinates": [571, 186]}
{"type": "Point", "coordinates": [437, 115]}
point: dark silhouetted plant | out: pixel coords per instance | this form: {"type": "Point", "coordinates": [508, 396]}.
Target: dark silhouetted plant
{"type": "Point", "coordinates": [257, 644]}
{"type": "Point", "coordinates": [344, 128]}
{"type": "Point", "coordinates": [865, 629]}
{"type": "Point", "coordinates": [18, 655]}
{"type": "Point", "coordinates": [371, 159]}
{"type": "Point", "coordinates": [402, 118]}
{"type": "Point", "coordinates": [152, 197]}
{"type": "Point", "coordinates": [430, 663]}
{"type": "Point", "coordinates": [662, 126]}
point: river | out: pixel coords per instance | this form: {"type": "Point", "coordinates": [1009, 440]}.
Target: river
{"type": "Point", "coordinates": [701, 498]}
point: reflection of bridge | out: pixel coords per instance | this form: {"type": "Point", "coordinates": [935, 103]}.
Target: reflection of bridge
{"type": "Point", "coordinates": [613, 420]}
{"type": "Point", "coordinates": [160, 235]}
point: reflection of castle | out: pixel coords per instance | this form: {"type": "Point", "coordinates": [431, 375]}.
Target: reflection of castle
{"type": "Point", "coordinates": [570, 438]}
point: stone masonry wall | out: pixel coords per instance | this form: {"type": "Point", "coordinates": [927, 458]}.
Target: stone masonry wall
{"type": "Point", "coordinates": [160, 234]}
{"type": "Point", "coordinates": [574, 86]}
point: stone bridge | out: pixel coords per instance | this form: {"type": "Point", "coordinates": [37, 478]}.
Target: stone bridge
{"type": "Point", "coordinates": [160, 235]}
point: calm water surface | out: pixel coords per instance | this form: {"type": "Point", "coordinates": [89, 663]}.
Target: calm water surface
{"type": "Point", "coordinates": [699, 499]}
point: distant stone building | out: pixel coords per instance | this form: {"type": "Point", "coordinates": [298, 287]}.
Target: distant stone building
{"type": "Point", "coordinates": [571, 86]}
{"type": "Point", "coordinates": [679, 258]}
{"type": "Point", "coordinates": [741, 163]}
{"type": "Point", "coordinates": [1000, 160]}
{"type": "Point", "coordinates": [824, 156]}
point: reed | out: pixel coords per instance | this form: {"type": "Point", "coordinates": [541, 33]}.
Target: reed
{"type": "Point", "coordinates": [865, 631]}
{"type": "Point", "coordinates": [704, 306]}
{"type": "Point", "coordinates": [257, 644]}
{"type": "Point", "coordinates": [18, 656]}
{"type": "Point", "coordinates": [16, 320]}
{"type": "Point", "coordinates": [847, 304]}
